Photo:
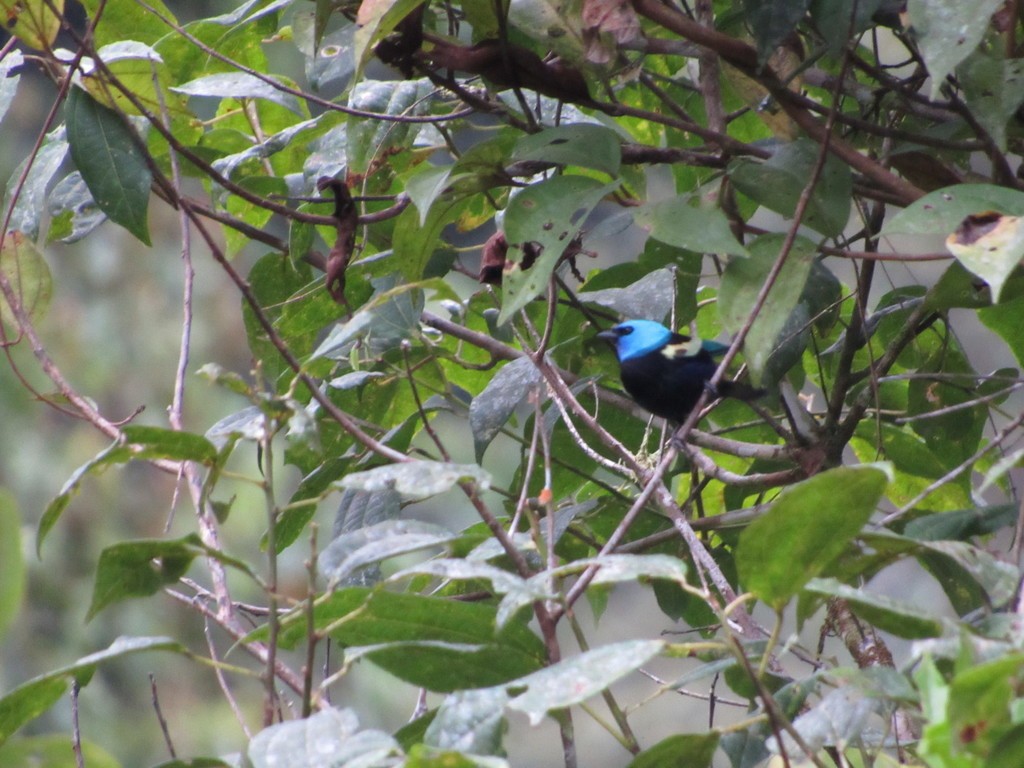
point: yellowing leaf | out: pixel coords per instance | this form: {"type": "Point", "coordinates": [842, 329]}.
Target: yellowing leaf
{"type": "Point", "coordinates": [990, 244]}
{"type": "Point", "coordinates": [29, 277]}
{"type": "Point", "coordinates": [34, 22]}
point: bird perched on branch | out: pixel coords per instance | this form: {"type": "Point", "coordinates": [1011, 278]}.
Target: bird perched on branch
{"type": "Point", "coordinates": [665, 372]}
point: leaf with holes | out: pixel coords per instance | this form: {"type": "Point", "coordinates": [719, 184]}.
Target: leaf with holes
{"type": "Point", "coordinates": [548, 214]}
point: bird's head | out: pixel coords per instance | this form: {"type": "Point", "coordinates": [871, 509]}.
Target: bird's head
{"type": "Point", "coordinates": [634, 338]}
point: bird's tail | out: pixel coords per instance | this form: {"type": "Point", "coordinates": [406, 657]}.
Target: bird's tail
{"type": "Point", "coordinates": [739, 390]}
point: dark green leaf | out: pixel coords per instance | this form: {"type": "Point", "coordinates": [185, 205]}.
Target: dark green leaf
{"type": "Point", "coordinates": [839, 20]}
{"type": "Point", "coordinates": [140, 568]}
{"type": "Point", "coordinates": [962, 524]}
{"type": "Point", "coordinates": [1004, 319]}
{"type": "Point", "coordinates": [885, 613]}
{"type": "Point", "coordinates": [772, 21]}
{"type": "Point", "coordinates": [741, 283]}
{"type": "Point", "coordinates": [692, 750]}
{"type": "Point", "coordinates": [158, 443]}
{"type": "Point", "coordinates": [778, 182]}
{"type": "Point", "coordinates": [111, 164]}
{"type": "Point", "coordinates": [370, 141]}
{"type": "Point", "coordinates": [375, 618]}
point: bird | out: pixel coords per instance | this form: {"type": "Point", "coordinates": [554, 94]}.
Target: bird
{"type": "Point", "coordinates": [666, 372]}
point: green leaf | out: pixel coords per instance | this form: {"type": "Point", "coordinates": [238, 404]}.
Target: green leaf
{"type": "Point", "coordinates": [980, 701]}
{"type": "Point", "coordinates": [331, 732]}
{"type": "Point", "coordinates": [388, 319]}
{"type": "Point", "coordinates": [417, 479]}
{"type": "Point", "coordinates": [506, 390]}
{"type": "Point", "coordinates": [575, 680]}
{"type": "Point", "coordinates": [274, 280]}
{"type": "Point", "coordinates": [587, 145]}
{"type": "Point", "coordinates": [439, 644]}
{"type": "Point", "coordinates": [140, 569]}
{"type": "Point", "coordinates": [807, 527]}
{"type": "Point", "coordinates": [548, 213]}
{"type": "Point", "coordinates": [415, 245]}
{"type": "Point", "coordinates": [12, 564]}
{"type": "Point", "coordinates": [679, 223]}
{"type": "Point", "coordinates": [116, 453]}
{"type": "Point", "coordinates": [31, 699]}
{"type": "Point", "coordinates": [832, 19]}
{"type": "Point", "coordinates": [1004, 319]}
{"type": "Point", "coordinates": [741, 283]}
{"type": "Point", "coordinates": [885, 613]}
{"type": "Point", "coordinates": [961, 524]}
{"type": "Point", "coordinates": [159, 443]}
{"type": "Point", "coordinates": [53, 751]}
{"type": "Point", "coordinates": [969, 575]}
{"type": "Point", "coordinates": [470, 721]}
{"type": "Point", "coordinates": [111, 164]}
{"type": "Point", "coordinates": [993, 89]}
{"type": "Point", "coordinates": [694, 750]}
{"type": "Point", "coordinates": [947, 32]}
{"type": "Point", "coordinates": [778, 182]}
{"type": "Point", "coordinates": [772, 21]}
{"type": "Point", "coordinates": [29, 277]}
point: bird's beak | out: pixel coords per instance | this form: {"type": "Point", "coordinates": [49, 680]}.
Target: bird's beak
{"type": "Point", "coordinates": [609, 336]}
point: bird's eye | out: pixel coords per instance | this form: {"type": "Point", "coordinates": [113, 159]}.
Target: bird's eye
{"type": "Point", "coordinates": [624, 330]}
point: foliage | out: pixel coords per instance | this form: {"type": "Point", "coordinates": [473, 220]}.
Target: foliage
{"type": "Point", "coordinates": [425, 231]}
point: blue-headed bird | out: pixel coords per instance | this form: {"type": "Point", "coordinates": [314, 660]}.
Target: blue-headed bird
{"type": "Point", "coordinates": [665, 372]}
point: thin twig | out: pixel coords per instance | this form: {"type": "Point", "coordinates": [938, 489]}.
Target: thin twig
{"type": "Point", "coordinates": [160, 717]}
